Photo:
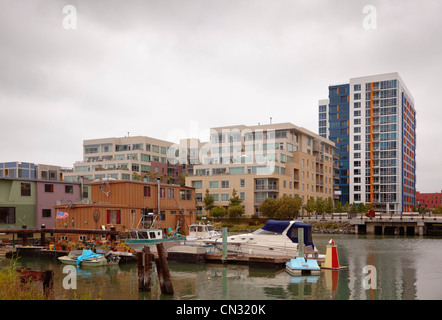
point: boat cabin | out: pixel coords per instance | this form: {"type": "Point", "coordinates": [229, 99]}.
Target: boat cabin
{"type": "Point", "coordinates": [146, 234]}
{"type": "Point", "coordinates": [202, 231]}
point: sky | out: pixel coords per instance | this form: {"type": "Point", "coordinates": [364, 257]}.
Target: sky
{"type": "Point", "coordinates": [169, 69]}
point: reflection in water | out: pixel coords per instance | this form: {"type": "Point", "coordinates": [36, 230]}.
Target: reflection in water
{"type": "Point", "coordinates": [406, 268]}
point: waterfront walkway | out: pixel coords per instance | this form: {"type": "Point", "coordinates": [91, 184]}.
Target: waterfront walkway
{"type": "Point", "coordinates": [407, 223]}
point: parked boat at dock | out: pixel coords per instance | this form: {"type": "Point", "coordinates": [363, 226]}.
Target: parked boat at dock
{"type": "Point", "coordinates": [199, 231]}
{"type": "Point", "coordinates": [138, 238]}
{"type": "Point", "coordinates": [275, 238]}
{"type": "Point", "coordinates": [87, 258]}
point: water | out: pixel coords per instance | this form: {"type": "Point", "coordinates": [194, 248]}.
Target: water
{"type": "Point", "coordinates": [407, 268]}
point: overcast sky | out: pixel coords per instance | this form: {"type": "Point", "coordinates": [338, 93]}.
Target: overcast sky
{"type": "Point", "coordinates": [169, 69]}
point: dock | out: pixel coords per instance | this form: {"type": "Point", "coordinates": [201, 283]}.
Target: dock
{"type": "Point", "coordinates": [248, 259]}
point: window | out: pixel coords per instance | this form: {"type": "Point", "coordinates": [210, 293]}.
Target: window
{"type": "Point", "coordinates": [224, 197]}
{"type": "Point", "coordinates": [213, 184]}
{"type": "Point", "coordinates": [69, 189]}
{"type": "Point", "coordinates": [162, 192]}
{"type": "Point", "coordinates": [242, 183]}
{"type": "Point", "coordinates": [185, 194]}
{"type": "Point", "coordinates": [49, 188]}
{"type": "Point", "coordinates": [357, 87]}
{"type": "Point", "coordinates": [147, 191]}
{"type": "Point", "coordinates": [171, 193]}
{"type": "Point", "coordinates": [91, 149]}
{"type": "Point", "coordinates": [7, 215]}
{"type": "Point", "coordinates": [198, 184]}
{"type": "Point", "coordinates": [25, 189]}
{"type": "Point", "coordinates": [46, 213]}
{"type": "Point", "coordinates": [113, 217]}
{"type": "Point", "coordinates": [225, 184]}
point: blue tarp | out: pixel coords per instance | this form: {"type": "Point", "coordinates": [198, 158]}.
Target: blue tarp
{"type": "Point", "coordinates": [292, 233]}
{"type": "Point", "coordinates": [87, 254]}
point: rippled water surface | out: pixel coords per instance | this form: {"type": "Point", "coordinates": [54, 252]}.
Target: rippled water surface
{"type": "Point", "coordinates": [406, 268]}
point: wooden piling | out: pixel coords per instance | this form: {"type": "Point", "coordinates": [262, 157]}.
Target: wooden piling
{"type": "Point", "coordinates": [144, 267]}
{"type": "Point", "coordinates": [24, 239]}
{"type": "Point", "coordinates": [163, 270]}
{"type": "Point", "coordinates": [42, 235]}
{"type": "Point", "coordinates": [46, 277]}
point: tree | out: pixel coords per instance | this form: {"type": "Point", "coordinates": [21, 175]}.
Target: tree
{"type": "Point", "coordinates": [320, 205]}
{"type": "Point", "coordinates": [208, 201]}
{"type": "Point", "coordinates": [234, 200]}
{"type": "Point", "coordinates": [287, 208]}
{"type": "Point", "coordinates": [328, 205]}
{"type": "Point", "coordinates": [235, 211]}
{"type": "Point", "coordinates": [182, 179]}
{"type": "Point", "coordinates": [437, 210]}
{"type": "Point", "coordinates": [311, 205]}
{"type": "Point", "coordinates": [268, 207]}
{"type": "Point", "coordinates": [362, 208]}
{"type": "Point", "coordinates": [218, 212]}
{"type": "Point", "coordinates": [338, 207]}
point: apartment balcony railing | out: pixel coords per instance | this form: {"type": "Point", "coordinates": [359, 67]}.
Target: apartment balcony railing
{"type": "Point", "coordinates": [266, 188]}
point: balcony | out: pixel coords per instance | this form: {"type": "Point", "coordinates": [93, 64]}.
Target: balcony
{"type": "Point", "coordinates": [267, 188]}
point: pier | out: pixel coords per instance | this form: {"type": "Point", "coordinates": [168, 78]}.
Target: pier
{"type": "Point", "coordinates": [402, 224]}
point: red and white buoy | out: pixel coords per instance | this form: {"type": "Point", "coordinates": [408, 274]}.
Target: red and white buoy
{"type": "Point", "coordinates": [331, 257]}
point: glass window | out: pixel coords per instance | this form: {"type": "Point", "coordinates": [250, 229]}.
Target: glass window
{"type": "Point", "coordinates": [213, 184]}
{"type": "Point", "coordinates": [25, 189]}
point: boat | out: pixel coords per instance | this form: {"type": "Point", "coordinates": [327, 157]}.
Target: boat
{"type": "Point", "coordinates": [199, 231]}
{"type": "Point", "coordinates": [88, 258]}
{"type": "Point", "coordinates": [275, 238]}
{"type": "Point", "coordinates": [149, 234]}
{"type": "Point", "coordinates": [139, 238]}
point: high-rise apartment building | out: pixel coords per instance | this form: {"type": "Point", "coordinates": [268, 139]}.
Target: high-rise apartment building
{"type": "Point", "coordinates": [259, 162]}
{"type": "Point", "coordinates": [372, 120]}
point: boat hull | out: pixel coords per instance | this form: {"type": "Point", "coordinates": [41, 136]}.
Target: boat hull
{"type": "Point", "coordinates": [139, 244]}
{"type": "Point", "coordinates": [93, 262]}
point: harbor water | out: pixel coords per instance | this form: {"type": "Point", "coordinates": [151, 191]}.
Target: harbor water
{"type": "Point", "coordinates": [401, 268]}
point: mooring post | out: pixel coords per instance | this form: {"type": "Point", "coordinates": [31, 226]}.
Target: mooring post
{"type": "Point", "coordinates": [42, 235]}
{"type": "Point", "coordinates": [24, 239]}
{"type": "Point", "coordinates": [163, 270]}
{"type": "Point", "coordinates": [300, 242]}
{"type": "Point", "coordinates": [144, 268]}
{"type": "Point", "coordinates": [48, 284]}
{"type": "Point", "coordinates": [46, 277]}
{"type": "Point", "coordinates": [224, 243]}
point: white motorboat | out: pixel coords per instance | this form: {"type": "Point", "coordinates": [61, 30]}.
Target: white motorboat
{"type": "Point", "coordinates": [87, 258]}
{"type": "Point", "coordinates": [275, 238]}
{"type": "Point", "coordinates": [199, 231]}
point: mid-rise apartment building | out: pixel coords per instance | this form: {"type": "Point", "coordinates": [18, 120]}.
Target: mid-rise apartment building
{"type": "Point", "coordinates": [372, 119]}
{"type": "Point", "coordinates": [135, 158]}
{"type": "Point", "coordinates": [428, 200]}
{"type": "Point", "coordinates": [263, 161]}
{"type": "Point", "coordinates": [28, 170]}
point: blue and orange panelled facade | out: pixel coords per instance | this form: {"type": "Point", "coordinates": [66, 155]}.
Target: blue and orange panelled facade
{"type": "Point", "coordinates": [339, 115]}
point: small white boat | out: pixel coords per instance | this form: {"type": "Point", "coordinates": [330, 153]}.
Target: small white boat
{"type": "Point", "coordinates": [199, 231]}
{"type": "Point", "coordinates": [87, 258]}
{"type": "Point", "coordinates": [275, 238]}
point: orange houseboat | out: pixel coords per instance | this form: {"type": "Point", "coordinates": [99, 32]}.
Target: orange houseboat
{"type": "Point", "coordinates": [126, 205]}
